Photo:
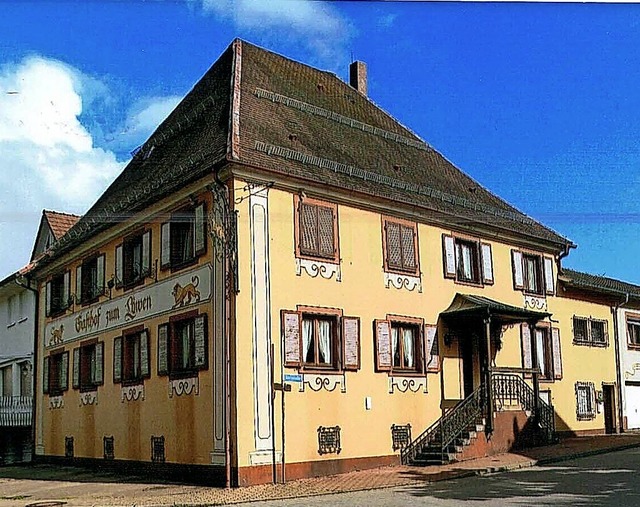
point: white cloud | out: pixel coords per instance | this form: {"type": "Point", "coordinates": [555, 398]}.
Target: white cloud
{"type": "Point", "coordinates": [47, 157]}
{"type": "Point", "coordinates": [142, 119]}
{"type": "Point", "coordinates": [317, 24]}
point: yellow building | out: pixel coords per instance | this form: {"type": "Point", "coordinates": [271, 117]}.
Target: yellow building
{"type": "Point", "coordinates": [285, 280]}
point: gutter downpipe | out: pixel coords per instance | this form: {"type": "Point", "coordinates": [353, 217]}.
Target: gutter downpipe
{"type": "Point", "coordinates": [616, 336]}
{"type": "Point", "coordinates": [34, 367]}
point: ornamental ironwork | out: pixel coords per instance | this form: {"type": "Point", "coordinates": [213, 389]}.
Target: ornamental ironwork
{"type": "Point", "coordinates": [157, 449]}
{"type": "Point", "coordinates": [329, 440]}
{"type": "Point", "coordinates": [400, 436]}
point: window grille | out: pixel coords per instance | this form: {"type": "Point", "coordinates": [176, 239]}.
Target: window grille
{"type": "Point", "coordinates": [400, 436]}
{"type": "Point", "coordinates": [329, 440]}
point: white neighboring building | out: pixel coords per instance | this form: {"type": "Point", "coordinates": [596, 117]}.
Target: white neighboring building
{"type": "Point", "coordinates": [17, 327]}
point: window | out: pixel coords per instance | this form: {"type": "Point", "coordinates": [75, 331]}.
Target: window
{"type": "Point", "coordinates": [133, 260]}
{"type": "Point", "coordinates": [532, 273]}
{"type": "Point", "coordinates": [182, 345]}
{"type": "Point", "coordinates": [90, 280]}
{"type": "Point", "coordinates": [404, 345]}
{"type": "Point", "coordinates": [88, 366]}
{"type": "Point", "coordinates": [633, 331]}
{"type": "Point", "coordinates": [400, 242]}
{"type": "Point", "coordinates": [321, 339]}
{"type": "Point", "coordinates": [585, 401]}
{"type": "Point", "coordinates": [57, 294]}
{"type": "Point", "coordinates": [467, 260]}
{"type": "Point", "coordinates": [316, 230]}
{"type": "Point", "coordinates": [183, 239]}
{"type": "Point", "coordinates": [547, 344]}
{"type": "Point", "coordinates": [399, 344]}
{"type": "Point", "coordinates": [136, 357]}
{"type": "Point", "coordinates": [26, 379]}
{"type": "Point", "coordinates": [587, 331]}
{"type": "Point", "coordinates": [56, 373]}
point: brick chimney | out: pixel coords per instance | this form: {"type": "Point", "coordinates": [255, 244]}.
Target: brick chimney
{"type": "Point", "coordinates": [358, 76]}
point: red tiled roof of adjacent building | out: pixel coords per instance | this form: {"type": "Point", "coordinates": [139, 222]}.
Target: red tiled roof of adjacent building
{"type": "Point", "coordinates": [59, 222]}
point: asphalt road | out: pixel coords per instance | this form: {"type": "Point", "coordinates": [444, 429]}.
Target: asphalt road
{"type": "Point", "coordinates": [606, 480]}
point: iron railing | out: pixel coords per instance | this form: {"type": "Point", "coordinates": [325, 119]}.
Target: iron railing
{"type": "Point", "coordinates": [510, 388]}
{"type": "Point", "coordinates": [442, 433]}
{"type": "Point", "coordinates": [15, 411]}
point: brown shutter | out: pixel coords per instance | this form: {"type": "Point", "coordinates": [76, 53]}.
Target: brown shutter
{"type": "Point", "coordinates": [76, 368]}
{"type": "Point", "coordinates": [291, 323]}
{"type": "Point", "coordinates": [200, 230]}
{"type": "Point", "coordinates": [308, 228]}
{"type": "Point", "coordinates": [487, 263]}
{"type": "Point", "coordinates": [432, 354]}
{"type": "Point", "coordinates": [449, 256]}
{"type": "Point", "coordinates": [525, 342]}
{"type": "Point", "coordinates": [117, 359]}
{"type": "Point", "coordinates": [408, 247]}
{"type": "Point", "coordinates": [45, 375]}
{"type": "Point", "coordinates": [351, 343]}
{"type": "Point", "coordinates": [119, 267]}
{"type": "Point", "coordinates": [326, 233]}
{"type": "Point", "coordinates": [394, 255]}
{"type": "Point", "coordinates": [163, 349]}
{"type": "Point", "coordinates": [516, 264]}
{"type": "Point", "coordinates": [200, 339]}
{"type": "Point", "coordinates": [165, 245]}
{"type": "Point", "coordinates": [384, 355]}
{"type": "Point", "coordinates": [145, 363]}
{"type": "Point", "coordinates": [557, 353]}
{"type": "Point", "coordinates": [48, 299]}
{"type": "Point", "coordinates": [548, 275]}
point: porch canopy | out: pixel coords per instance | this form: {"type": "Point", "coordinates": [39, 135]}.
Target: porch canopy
{"type": "Point", "coordinates": [467, 305]}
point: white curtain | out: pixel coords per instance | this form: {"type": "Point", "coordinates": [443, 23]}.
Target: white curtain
{"type": "Point", "coordinates": [324, 341]}
{"type": "Point", "coordinates": [186, 346]}
{"type": "Point", "coordinates": [466, 261]}
{"type": "Point", "coordinates": [307, 341]}
{"type": "Point", "coordinates": [407, 342]}
{"type": "Point", "coordinates": [540, 351]}
{"type": "Point", "coordinates": [531, 275]}
{"type": "Point", "coordinates": [395, 346]}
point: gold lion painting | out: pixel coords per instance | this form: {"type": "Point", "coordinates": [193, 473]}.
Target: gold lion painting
{"type": "Point", "coordinates": [187, 294]}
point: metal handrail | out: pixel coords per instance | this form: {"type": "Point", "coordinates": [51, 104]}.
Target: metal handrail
{"type": "Point", "coordinates": [449, 427]}
{"type": "Point", "coordinates": [509, 388]}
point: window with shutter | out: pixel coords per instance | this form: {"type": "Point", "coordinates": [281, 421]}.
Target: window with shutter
{"type": "Point", "coordinates": [57, 373]}
{"type": "Point", "coordinates": [400, 246]}
{"type": "Point", "coordinates": [88, 372]}
{"type": "Point", "coordinates": [633, 331]}
{"type": "Point", "coordinates": [399, 344]}
{"type": "Point", "coordinates": [45, 375]}
{"type": "Point", "coordinates": [184, 238]}
{"type": "Point", "coordinates": [525, 344]}
{"type": "Point", "coordinates": [467, 260]}
{"type": "Point", "coordinates": [136, 259]}
{"type": "Point", "coordinates": [135, 355]}
{"type": "Point", "coordinates": [117, 359]}
{"type": "Point", "coordinates": [58, 294]}
{"type": "Point", "coordinates": [91, 279]}
{"type": "Point", "coordinates": [316, 229]}
{"type": "Point", "coordinates": [532, 273]}
{"type": "Point", "coordinates": [547, 344]}
{"type": "Point", "coordinates": [320, 339]}
{"type": "Point", "coordinates": [183, 345]}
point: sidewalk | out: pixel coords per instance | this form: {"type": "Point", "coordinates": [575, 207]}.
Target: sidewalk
{"type": "Point", "coordinates": [21, 486]}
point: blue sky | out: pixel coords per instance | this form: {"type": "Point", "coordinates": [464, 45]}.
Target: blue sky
{"type": "Point", "coordinates": [538, 102]}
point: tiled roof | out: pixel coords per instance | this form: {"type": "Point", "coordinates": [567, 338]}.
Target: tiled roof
{"type": "Point", "coordinates": [598, 283]}
{"type": "Point", "coordinates": [59, 222]}
{"type": "Point", "coordinates": [301, 122]}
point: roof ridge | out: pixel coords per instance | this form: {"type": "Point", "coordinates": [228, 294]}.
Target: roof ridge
{"type": "Point", "coordinates": [61, 213]}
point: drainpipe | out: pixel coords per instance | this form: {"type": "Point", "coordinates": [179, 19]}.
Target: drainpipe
{"type": "Point", "coordinates": [34, 367]}
{"type": "Point", "coordinates": [616, 338]}
{"type": "Point", "coordinates": [488, 387]}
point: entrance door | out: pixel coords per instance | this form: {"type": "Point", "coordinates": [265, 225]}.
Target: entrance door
{"type": "Point", "coordinates": [466, 354]}
{"type": "Point", "coordinates": [609, 409]}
